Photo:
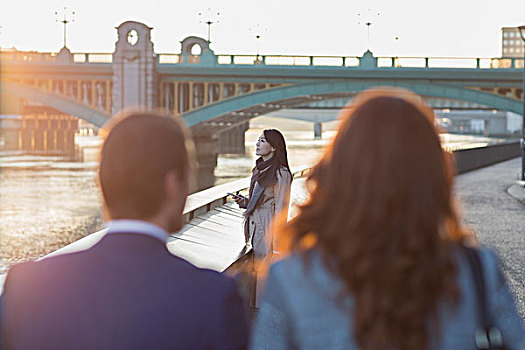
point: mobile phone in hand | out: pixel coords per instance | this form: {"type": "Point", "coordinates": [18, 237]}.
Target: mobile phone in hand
{"type": "Point", "coordinates": [238, 196]}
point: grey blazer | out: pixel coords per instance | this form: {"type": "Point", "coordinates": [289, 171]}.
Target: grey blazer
{"type": "Point", "coordinates": [299, 309]}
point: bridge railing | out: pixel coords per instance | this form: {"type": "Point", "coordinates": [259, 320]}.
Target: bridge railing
{"type": "Point", "coordinates": [27, 56]}
{"type": "Point", "coordinates": [93, 57]}
{"type": "Point", "coordinates": [283, 60]}
{"type": "Point", "coordinates": [51, 57]}
{"type": "Point", "coordinates": [450, 62]}
{"type": "Point", "coordinates": [168, 58]}
{"type": "Point", "coordinates": [353, 61]}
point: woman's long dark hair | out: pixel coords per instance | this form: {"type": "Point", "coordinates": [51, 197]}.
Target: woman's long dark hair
{"type": "Point", "coordinates": [276, 140]}
{"type": "Point", "coordinates": [267, 169]}
{"type": "Point", "coordinates": [380, 211]}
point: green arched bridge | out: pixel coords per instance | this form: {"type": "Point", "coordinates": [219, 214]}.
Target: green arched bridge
{"type": "Point", "coordinates": [214, 92]}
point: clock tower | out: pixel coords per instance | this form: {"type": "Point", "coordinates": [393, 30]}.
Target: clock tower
{"type": "Point", "coordinates": [134, 74]}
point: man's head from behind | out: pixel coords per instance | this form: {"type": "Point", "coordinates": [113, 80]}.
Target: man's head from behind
{"type": "Point", "coordinates": [144, 169]}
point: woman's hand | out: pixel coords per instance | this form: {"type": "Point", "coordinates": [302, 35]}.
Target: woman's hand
{"type": "Point", "coordinates": [240, 200]}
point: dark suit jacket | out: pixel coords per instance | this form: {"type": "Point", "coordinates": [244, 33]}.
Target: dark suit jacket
{"type": "Point", "coordinates": [126, 292]}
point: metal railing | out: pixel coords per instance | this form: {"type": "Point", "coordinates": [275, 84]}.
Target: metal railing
{"type": "Point", "coordinates": [26, 56]}
{"type": "Point", "coordinates": [13, 56]}
{"type": "Point", "coordinates": [93, 57]}
{"type": "Point", "coordinates": [353, 61]}
{"type": "Point", "coordinates": [209, 199]}
{"type": "Point", "coordinates": [284, 60]}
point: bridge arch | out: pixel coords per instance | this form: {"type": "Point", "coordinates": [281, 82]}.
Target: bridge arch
{"type": "Point", "coordinates": [60, 103]}
{"type": "Point", "coordinates": [262, 98]}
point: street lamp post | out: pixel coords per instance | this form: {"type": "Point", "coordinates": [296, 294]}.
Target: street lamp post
{"type": "Point", "coordinates": [367, 23]}
{"type": "Point", "coordinates": [521, 29]}
{"type": "Point", "coordinates": [65, 21]}
{"type": "Point", "coordinates": [258, 31]}
{"type": "Point", "coordinates": [209, 21]}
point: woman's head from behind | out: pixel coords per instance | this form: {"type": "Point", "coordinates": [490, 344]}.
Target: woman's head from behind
{"type": "Point", "coordinates": [380, 210]}
{"type": "Point", "coordinates": [386, 164]}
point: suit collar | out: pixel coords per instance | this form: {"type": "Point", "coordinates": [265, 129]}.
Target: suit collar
{"type": "Point", "coordinates": [138, 227]}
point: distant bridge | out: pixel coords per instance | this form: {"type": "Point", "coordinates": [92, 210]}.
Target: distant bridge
{"type": "Point", "coordinates": [218, 94]}
{"type": "Point", "coordinates": [222, 90]}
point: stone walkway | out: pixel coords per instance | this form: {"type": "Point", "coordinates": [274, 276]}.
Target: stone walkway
{"type": "Point", "coordinates": [494, 207]}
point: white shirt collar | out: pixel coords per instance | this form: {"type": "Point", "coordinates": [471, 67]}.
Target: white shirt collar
{"type": "Point", "coordinates": [137, 226]}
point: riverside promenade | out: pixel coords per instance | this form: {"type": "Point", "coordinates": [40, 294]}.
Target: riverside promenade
{"type": "Point", "coordinates": [494, 207]}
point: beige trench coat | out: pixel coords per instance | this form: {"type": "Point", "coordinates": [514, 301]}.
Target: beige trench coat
{"type": "Point", "coordinates": [274, 200]}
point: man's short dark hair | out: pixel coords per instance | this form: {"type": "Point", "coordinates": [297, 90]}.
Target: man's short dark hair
{"type": "Point", "coordinates": [139, 151]}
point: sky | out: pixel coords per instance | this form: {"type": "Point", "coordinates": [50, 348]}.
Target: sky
{"type": "Point", "coordinates": [445, 28]}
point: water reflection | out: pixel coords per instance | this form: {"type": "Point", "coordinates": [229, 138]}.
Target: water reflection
{"type": "Point", "coordinates": [44, 207]}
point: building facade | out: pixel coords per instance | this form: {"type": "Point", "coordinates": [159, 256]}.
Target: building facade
{"type": "Point", "coordinates": [511, 43]}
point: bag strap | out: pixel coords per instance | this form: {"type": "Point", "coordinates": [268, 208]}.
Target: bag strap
{"type": "Point", "coordinates": [479, 282]}
{"type": "Point", "coordinates": [488, 337]}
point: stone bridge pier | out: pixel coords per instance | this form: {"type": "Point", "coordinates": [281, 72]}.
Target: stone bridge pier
{"type": "Point", "coordinates": [40, 133]}
{"type": "Point", "coordinates": [206, 157]}
{"type": "Point", "coordinates": [231, 140]}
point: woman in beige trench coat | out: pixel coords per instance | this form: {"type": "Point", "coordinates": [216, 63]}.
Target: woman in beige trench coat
{"type": "Point", "coordinates": [269, 194]}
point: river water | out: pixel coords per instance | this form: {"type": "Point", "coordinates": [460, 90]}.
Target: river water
{"type": "Point", "coordinates": [49, 202]}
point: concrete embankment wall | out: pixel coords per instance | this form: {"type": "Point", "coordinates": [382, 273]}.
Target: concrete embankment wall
{"type": "Point", "coordinates": [475, 158]}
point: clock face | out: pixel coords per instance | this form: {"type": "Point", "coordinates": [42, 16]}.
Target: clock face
{"type": "Point", "coordinates": [133, 37]}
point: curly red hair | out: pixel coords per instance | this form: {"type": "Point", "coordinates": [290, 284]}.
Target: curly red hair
{"type": "Point", "coordinates": [381, 212]}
